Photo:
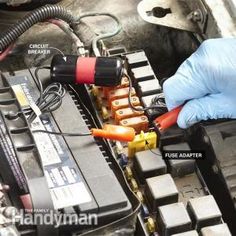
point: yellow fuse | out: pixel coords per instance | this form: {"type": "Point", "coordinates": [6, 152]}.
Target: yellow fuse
{"type": "Point", "coordinates": [134, 185]}
{"type": "Point", "coordinates": [140, 196]}
{"type": "Point", "coordinates": [151, 226]}
{"type": "Point", "coordinates": [99, 102]}
{"type": "Point", "coordinates": [95, 91]}
{"type": "Point", "coordinates": [142, 141]}
{"type": "Point", "coordinates": [128, 173]}
{"type": "Point", "coordinates": [105, 114]}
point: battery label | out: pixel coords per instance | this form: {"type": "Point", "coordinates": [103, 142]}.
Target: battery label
{"type": "Point", "coordinates": [9, 152]}
{"type": "Point", "coordinates": [64, 179]}
{"type": "Point", "coordinates": [45, 145]}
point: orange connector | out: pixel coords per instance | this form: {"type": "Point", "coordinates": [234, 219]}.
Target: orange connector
{"type": "Point", "coordinates": [139, 123]}
{"type": "Point", "coordinates": [168, 119]}
{"type": "Point", "coordinates": [123, 103]}
{"type": "Point", "coordinates": [119, 94]}
{"type": "Point", "coordinates": [115, 132]}
{"type": "Point", "coordinates": [124, 84]}
{"type": "Point", "coordinates": [127, 112]}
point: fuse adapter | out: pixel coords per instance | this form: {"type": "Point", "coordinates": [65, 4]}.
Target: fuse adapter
{"type": "Point", "coordinates": [101, 71]}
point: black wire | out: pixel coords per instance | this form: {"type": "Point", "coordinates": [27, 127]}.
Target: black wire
{"type": "Point", "coordinates": [155, 153]}
{"type": "Point", "coordinates": [61, 134]}
{"type": "Point", "coordinates": [159, 99]}
{"type": "Point", "coordinates": [50, 98]}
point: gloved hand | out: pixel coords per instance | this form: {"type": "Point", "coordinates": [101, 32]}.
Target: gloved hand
{"type": "Point", "coordinates": [206, 81]}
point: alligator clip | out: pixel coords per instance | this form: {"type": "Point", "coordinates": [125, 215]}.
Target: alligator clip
{"type": "Point", "coordinates": [168, 119]}
{"type": "Point", "coordinates": [115, 132]}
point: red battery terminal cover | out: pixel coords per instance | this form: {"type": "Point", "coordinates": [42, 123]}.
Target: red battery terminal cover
{"type": "Point", "coordinates": [115, 132]}
{"type": "Point", "coordinates": [168, 119]}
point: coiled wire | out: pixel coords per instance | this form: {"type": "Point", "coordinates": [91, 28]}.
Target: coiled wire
{"type": "Point", "coordinates": [38, 15]}
{"type": "Point", "coordinates": [50, 98]}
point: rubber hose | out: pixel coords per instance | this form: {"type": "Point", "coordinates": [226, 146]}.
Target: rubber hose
{"type": "Point", "coordinates": [38, 15]}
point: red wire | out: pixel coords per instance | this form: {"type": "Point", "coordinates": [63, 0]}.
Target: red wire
{"type": "Point", "coordinates": [5, 53]}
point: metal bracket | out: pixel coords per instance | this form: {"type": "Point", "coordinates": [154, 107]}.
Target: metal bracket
{"type": "Point", "coordinates": [175, 14]}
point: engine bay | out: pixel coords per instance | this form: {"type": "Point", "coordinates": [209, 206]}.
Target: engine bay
{"type": "Point", "coordinates": [87, 145]}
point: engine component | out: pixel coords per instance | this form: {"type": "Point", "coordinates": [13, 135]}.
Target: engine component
{"type": "Point", "coordinates": [151, 226]}
{"type": "Point", "coordinates": [142, 73]}
{"type": "Point", "coordinates": [149, 101]}
{"type": "Point", "coordinates": [94, 162]}
{"type": "Point", "coordinates": [17, 144]}
{"type": "Point", "coordinates": [87, 189]}
{"type": "Point", "coordinates": [123, 103]}
{"type": "Point", "coordinates": [200, 16]}
{"type": "Point", "coordinates": [169, 13]}
{"type": "Point", "coordinates": [218, 141]}
{"type": "Point", "coordinates": [101, 71]}
{"type": "Point", "coordinates": [142, 141]}
{"type": "Point", "coordinates": [125, 113]}
{"type": "Point", "coordinates": [149, 164]}
{"type": "Point", "coordinates": [148, 87]}
{"type": "Point", "coordinates": [204, 212]}
{"type": "Point", "coordinates": [189, 233]}
{"type": "Point", "coordinates": [136, 60]}
{"type": "Point", "coordinates": [19, 2]}
{"type": "Point", "coordinates": [179, 168]}
{"type": "Point", "coordinates": [40, 14]}
{"type": "Point", "coordinates": [139, 123]}
{"type": "Point", "coordinates": [161, 190]}
{"type": "Point", "coordinates": [119, 94]}
{"type": "Point", "coordinates": [15, 2]}
{"type": "Point", "coordinates": [217, 230]}
{"type": "Point", "coordinates": [174, 219]}
{"type": "Point", "coordinates": [124, 83]}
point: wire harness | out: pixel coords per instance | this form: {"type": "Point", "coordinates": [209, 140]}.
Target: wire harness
{"type": "Point", "coordinates": [38, 15]}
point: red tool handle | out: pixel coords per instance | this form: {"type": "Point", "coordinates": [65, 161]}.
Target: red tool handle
{"type": "Point", "coordinates": [168, 119]}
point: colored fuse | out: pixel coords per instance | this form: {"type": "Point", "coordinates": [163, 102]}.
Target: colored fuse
{"type": "Point", "coordinates": [123, 103]}
{"type": "Point", "coordinates": [105, 114]}
{"type": "Point", "coordinates": [142, 141]}
{"type": "Point", "coordinates": [140, 196]}
{"type": "Point", "coordinates": [107, 90]}
{"type": "Point", "coordinates": [123, 161]}
{"type": "Point", "coordinates": [125, 113]}
{"type": "Point", "coordinates": [139, 123]}
{"type": "Point", "coordinates": [151, 226]}
{"type": "Point", "coordinates": [119, 148]}
{"type": "Point", "coordinates": [124, 84]}
{"type": "Point", "coordinates": [144, 211]}
{"type": "Point", "coordinates": [128, 173]}
{"type": "Point", "coordinates": [134, 185]}
{"type": "Point", "coordinates": [95, 91]}
{"type": "Point", "coordinates": [119, 93]}
{"type": "Point", "coordinates": [99, 102]}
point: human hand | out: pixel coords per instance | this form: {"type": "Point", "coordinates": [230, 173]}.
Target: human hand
{"type": "Point", "coordinates": [206, 81]}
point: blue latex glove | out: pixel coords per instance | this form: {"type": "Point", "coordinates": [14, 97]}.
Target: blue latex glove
{"type": "Point", "coordinates": [207, 81]}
